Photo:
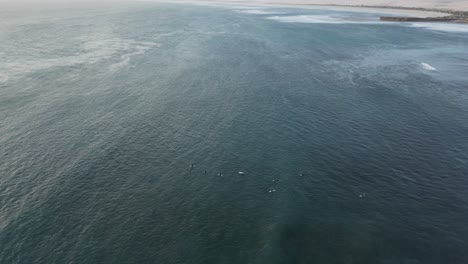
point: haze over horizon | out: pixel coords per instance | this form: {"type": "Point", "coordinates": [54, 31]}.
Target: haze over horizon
{"type": "Point", "coordinates": [439, 4]}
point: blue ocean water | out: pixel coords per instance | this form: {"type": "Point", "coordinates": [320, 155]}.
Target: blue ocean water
{"type": "Point", "coordinates": [123, 130]}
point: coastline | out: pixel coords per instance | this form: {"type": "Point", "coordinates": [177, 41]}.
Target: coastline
{"type": "Point", "coordinates": [390, 10]}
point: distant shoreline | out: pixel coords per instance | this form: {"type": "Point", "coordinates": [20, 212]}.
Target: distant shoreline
{"type": "Point", "coordinates": [410, 11]}
{"type": "Point", "coordinates": [398, 13]}
{"type": "Point", "coordinates": [416, 14]}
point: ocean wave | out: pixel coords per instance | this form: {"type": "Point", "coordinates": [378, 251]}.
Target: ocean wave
{"type": "Point", "coordinates": [324, 19]}
{"type": "Point", "coordinates": [448, 27]}
{"type": "Point", "coordinates": [329, 19]}
{"type": "Point", "coordinates": [259, 12]}
{"type": "Point", "coordinates": [427, 66]}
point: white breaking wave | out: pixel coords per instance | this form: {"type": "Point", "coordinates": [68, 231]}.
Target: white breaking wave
{"type": "Point", "coordinates": [323, 19]}
{"type": "Point", "coordinates": [448, 27]}
{"type": "Point", "coordinates": [427, 66]}
{"type": "Point", "coordinates": [259, 12]}
{"type": "Point", "coordinates": [327, 19]}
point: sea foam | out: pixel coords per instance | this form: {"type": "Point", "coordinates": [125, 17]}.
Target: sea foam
{"type": "Point", "coordinates": [448, 27]}
{"type": "Point", "coordinates": [260, 12]}
{"type": "Point", "coordinates": [91, 52]}
{"type": "Point", "coordinates": [427, 66]}
{"type": "Point", "coordinates": [330, 19]}
{"type": "Point", "coordinates": [323, 19]}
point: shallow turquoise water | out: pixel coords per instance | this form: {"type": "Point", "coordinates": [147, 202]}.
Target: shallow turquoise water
{"type": "Point", "coordinates": [354, 149]}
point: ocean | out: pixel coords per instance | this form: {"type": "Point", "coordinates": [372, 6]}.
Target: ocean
{"type": "Point", "coordinates": [187, 133]}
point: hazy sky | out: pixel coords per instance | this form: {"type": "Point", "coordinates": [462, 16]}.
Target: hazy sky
{"type": "Point", "coordinates": [453, 4]}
